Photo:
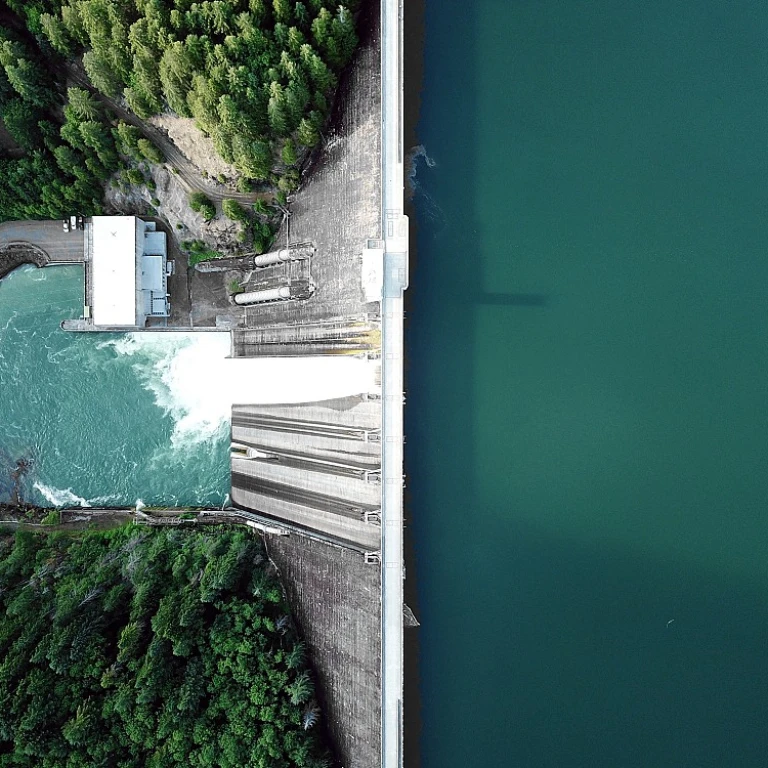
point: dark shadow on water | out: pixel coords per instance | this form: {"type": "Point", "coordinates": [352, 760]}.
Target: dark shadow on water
{"type": "Point", "coordinates": [513, 299]}
{"type": "Point", "coordinates": [434, 421]}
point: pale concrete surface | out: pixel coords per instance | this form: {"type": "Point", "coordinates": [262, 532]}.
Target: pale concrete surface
{"type": "Point", "coordinates": [395, 232]}
{"type": "Point", "coordinates": [62, 247]}
{"type": "Point", "coordinates": [336, 601]}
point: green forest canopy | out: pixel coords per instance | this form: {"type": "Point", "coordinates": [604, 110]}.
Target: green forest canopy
{"type": "Point", "coordinates": [150, 648]}
{"type": "Point", "coordinates": [61, 169]}
{"type": "Point", "coordinates": [257, 76]}
{"type": "Point", "coordinates": [251, 72]}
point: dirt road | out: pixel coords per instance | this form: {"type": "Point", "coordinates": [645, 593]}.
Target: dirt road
{"type": "Point", "coordinates": [187, 173]}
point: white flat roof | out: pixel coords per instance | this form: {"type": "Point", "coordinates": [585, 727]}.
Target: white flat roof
{"type": "Point", "coordinates": [114, 270]}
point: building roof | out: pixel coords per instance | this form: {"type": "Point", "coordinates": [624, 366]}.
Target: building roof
{"type": "Point", "coordinates": [152, 274]}
{"type": "Point", "coordinates": [154, 243]}
{"type": "Point", "coordinates": [114, 270]}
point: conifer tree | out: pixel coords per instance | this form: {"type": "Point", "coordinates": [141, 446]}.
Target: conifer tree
{"type": "Point", "coordinates": [278, 109]}
{"type": "Point", "coordinates": [21, 120]}
{"type": "Point", "coordinates": [175, 71]}
{"type": "Point", "coordinates": [308, 132]}
{"type": "Point", "coordinates": [25, 76]}
{"type": "Point", "coordinates": [84, 104]}
{"type": "Point", "coordinates": [100, 73]}
{"type": "Point", "coordinates": [282, 11]}
{"type": "Point", "coordinates": [56, 31]}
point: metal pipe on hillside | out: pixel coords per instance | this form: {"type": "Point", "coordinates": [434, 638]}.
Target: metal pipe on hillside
{"type": "Point", "coordinates": [300, 289]}
{"type": "Point", "coordinates": [298, 252]}
{"type": "Point", "coordinates": [260, 297]}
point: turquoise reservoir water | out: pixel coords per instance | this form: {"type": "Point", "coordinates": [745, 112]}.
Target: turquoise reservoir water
{"type": "Point", "coordinates": [587, 419]}
{"type": "Point", "coordinates": [104, 419]}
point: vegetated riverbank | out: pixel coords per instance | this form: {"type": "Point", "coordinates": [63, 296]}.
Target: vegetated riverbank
{"type": "Point", "coordinates": [148, 648]}
{"type": "Point", "coordinates": [32, 516]}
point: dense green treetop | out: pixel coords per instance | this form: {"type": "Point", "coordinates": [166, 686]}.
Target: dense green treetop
{"type": "Point", "coordinates": [257, 76]}
{"type": "Point", "coordinates": [250, 72]}
{"type": "Point", "coordinates": [67, 154]}
{"type": "Point", "coordinates": [147, 648]}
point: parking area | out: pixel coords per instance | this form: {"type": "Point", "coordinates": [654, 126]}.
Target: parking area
{"type": "Point", "coordinates": [60, 246]}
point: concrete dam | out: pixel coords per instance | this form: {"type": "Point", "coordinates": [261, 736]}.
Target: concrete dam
{"type": "Point", "coordinates": [327, 469]}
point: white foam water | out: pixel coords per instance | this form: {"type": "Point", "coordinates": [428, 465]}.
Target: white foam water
{"type": "Point", "coordinates": [430, 207]}
{"type": "Point", "coordinates": [167, 365]}
{"type": "Point", "coordinates": [419, 152]}
{"type": "Point", "coordinates": [194, 380]}
{"type": "Point", "coordinates": [61, 498]}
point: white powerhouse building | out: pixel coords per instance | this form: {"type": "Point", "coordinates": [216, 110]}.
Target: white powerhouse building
{"type": "Point", "coordinates": [129, 272]}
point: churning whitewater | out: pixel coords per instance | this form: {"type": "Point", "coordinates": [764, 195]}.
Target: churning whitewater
{"type": "Point", "coordinates": [194, 381]}
{"type": "Point", "coordinates": [108, 419]}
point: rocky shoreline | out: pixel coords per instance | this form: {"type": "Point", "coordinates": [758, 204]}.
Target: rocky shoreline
{"type": "Point", "coordinates": [14, 255]}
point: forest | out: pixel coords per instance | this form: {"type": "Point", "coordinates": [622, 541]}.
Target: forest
{"type": "Point", "coordinates": [147, 648]}
{"type": "Point", "coordinates": [257, 76]}
{"type": "Point", "coordinates": [60, 161]}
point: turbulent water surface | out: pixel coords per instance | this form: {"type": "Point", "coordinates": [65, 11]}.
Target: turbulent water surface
{"type": "Point", "coordinates": [104, 419]}
{"type": "Point", "coordinates": [587, 419]}
{"type": "Point", "coordinates": [112, 419]}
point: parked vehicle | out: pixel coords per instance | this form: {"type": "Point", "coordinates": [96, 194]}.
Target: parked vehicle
{"type": "Point", "coordinates": [73, 223]}
{"type": "Point", "coordinates": [66, 225]}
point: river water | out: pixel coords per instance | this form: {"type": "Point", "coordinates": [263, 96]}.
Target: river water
{"type": "Point", "coordinates": [116, 419]}
{"type": "Point", "coordinates": [104, 419]}
{"type": "Point", "coordinates": [587, 419]}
